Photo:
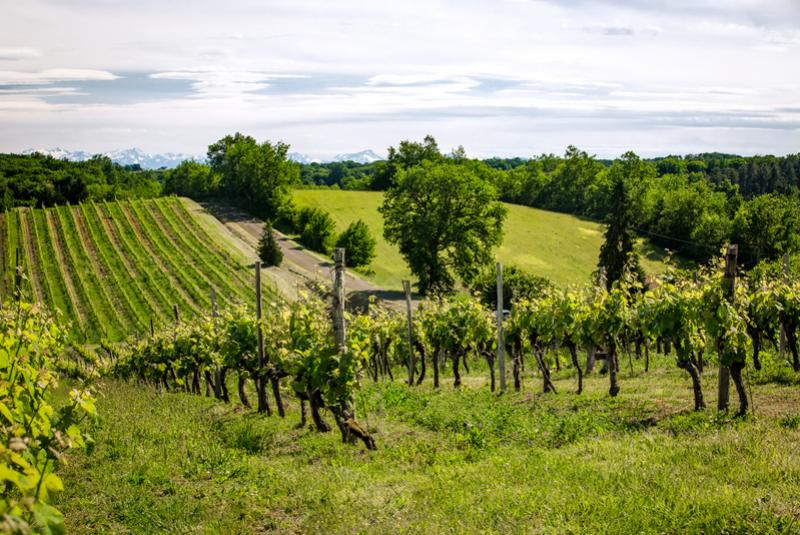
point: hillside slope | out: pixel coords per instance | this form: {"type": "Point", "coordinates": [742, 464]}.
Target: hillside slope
{"type": "Point", "coordinates": [561, 247]}
{"type": "Point", "coordinates": [112, 267]}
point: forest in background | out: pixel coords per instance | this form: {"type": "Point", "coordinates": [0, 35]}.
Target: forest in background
{"type": "Point", "coordinates": [689, 204]}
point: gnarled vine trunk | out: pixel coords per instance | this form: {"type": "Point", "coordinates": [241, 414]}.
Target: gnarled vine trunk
{"type": "Point", "coordinates": [736, 376]}
{"type": "Point", "coordinates": [573, 353]}
{"type": "Point", "coordinates": [689, 366]}
{"type": "Point", "coordinates": [422, 365]}
{"type": "Point", "coordinates": [613, 388]}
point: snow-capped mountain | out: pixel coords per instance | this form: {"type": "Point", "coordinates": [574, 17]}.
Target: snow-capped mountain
{"type": "Point", "coordinates": [365, 156]}
{"type": "Point", "coordinates": [170, 159]}
{"type": "Point", "coordinates": [302, 158]}
{"type": "Point", "coordinates": [123, 157]}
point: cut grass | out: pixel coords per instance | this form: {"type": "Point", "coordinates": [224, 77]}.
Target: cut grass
{"type": "Point", "coordinates": [449, 461]}
{"type": "Point", "coordinates": [560, 247]}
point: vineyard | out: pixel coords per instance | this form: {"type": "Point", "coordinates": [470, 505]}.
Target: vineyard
{"type": "Point", "coordinates": [113, 267]}
{"type": "Point", "coordinates": [545, 396]}
{"type": "Point", "coordinates": [562, 423]}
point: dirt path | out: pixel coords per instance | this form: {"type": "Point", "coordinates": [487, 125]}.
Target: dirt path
{"type": "Point", "coordinates": [300, 266]}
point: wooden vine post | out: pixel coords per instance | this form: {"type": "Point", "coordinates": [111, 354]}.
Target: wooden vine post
{"type": "Point", "coordinates": [18, 277]}
{"type": "Point", "coordinates": [338, 299]}
{"type": "Point", "coordinates": [261, 381]}
{"type": "Point", "coordinates": [409, 321]}
{"type": "Point", "coordinates": [723, 396]}
{"type": "Point", "coordinates": [786, 280]}
{"type": "Point", "coordinates": [501, 356]}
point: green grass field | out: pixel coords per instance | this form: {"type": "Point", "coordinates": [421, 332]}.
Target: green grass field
{"type": "Point", "coordinates": [448, 461]}
{"type": "Point", "coordinates": [560, 247]}
{"type": "Point", "coordinates": [110, 267]}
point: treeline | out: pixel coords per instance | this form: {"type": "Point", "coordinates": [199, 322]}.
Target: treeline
{"type": "Point", "coordinates": [753, 175]}
{"type": "Point", "coordinates": [691, 205]}
{"type": "Point", "coordinates": [39, 180]}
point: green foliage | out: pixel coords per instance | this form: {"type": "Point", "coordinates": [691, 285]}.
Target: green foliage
{"type": "Point", "coordinates": [618, 255]}
{"type": "Point", "coordinates": [254, 175]}
{"type": "Point", "coordinates": [518, 284]}
{"type": "Point", "coordinates": [444, 218]}
{"type": "Point", "coordinates": [358, 243]}
{"type": "Point", "coordinates": [35, 435]}
{"type": "Point", "coordinates": [192, 179]}
{"type": "Point", "coordinates": [316, 228]}
{"type": "Point", "coordinates": [768, 226]}
{"type": "Point", "coordinates": [269, 251]}
{"type": "Point", "coordinates": [38, 180]}
{"type": "Point", "coordinates": [408, 154]}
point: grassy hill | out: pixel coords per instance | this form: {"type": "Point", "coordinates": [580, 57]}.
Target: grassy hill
{"type": "Point", "coordinates": [112, 267]}
{"type": "Point", "coordinates": [561, 247]}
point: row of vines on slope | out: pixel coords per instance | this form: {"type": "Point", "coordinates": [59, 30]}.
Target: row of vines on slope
{"type": "Point", "coordinates": [112, 268]}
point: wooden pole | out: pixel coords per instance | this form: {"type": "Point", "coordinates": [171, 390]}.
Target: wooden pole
{"type": "Point", "coordinates": [258, 316]}
{"type": "Point", "coordinates": [152, 329]}
{"type": "Point", "coordinates": [723, 396]}
{"type": "Point", "coordinates": [177, 314]}
{"type": "Point", "coordinates": [785, 279]}
{"type": "Point", "coordinates": [18, 276]}
{"type": "Point", "coordinates": [409, 320]}
{"type": "Point", "coordinates": [261, 380]}
{"type": "Point", "coordinates": [338, 299]}
{"type": "Point", "coordinates": [501, 354]}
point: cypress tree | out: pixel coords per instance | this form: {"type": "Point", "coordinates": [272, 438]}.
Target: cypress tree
{"type": "Point", "coordinates": [268, 249]}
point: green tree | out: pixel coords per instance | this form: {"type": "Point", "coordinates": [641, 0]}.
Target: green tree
{"type": "Point", "coordinates": [618, 254]}
{"type": "Point", "coordinates": [518, 284]}
{"type": "Point", "coordinates": [255, 176]}
{"type": "Point", "coordinates": [767, 226]}
{"type": "Point", "coordinates": [316, 229]}
{"type": "Point", "coordinates": [191, 179]}
{"type": "Point", "coordinates": [268, 249]}
{"type": "Point", "coordinates": [406, 156]}
{"type": "Point", "coordinates": [445, 218]}
{"type": "Point", "coordinates": [358, 243]}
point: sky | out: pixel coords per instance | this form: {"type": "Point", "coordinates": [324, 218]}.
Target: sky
{"type": "Point", "coordinates": [499, 77]}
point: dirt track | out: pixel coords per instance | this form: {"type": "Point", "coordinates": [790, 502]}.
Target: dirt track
{"type": "Point", "coordinates": [300, 266]}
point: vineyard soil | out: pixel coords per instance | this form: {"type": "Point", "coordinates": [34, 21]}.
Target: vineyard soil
{"type": "Point", "coordinates": [449, 461]}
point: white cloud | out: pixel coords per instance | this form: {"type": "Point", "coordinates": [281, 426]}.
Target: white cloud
{"type": "Point", "coordinates": [18, 53]}
{"type": "Point", "coordinates": [336, 77]}
{"type": "Point", "coordinates": [49, 76]}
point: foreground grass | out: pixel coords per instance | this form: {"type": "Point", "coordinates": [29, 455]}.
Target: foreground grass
{"type": "Point", "coordinates": [560, 247]}
{"type": "Point", "coordinates": [449, 461]}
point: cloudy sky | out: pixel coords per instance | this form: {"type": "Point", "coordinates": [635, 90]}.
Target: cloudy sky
{"type": "Point", "coordinates": [500, 77]}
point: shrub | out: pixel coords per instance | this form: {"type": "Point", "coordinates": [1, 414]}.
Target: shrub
{"type": "Point", "coordinates": [316, 229]}
{"type": "Point", "coordinates": [268, 249]}
{"type": "Point", "coordinates": [358, 243]}
{"type": "Point", "coordinates": [517, 284]}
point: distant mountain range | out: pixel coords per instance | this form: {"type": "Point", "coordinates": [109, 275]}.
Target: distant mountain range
{"type": "Point", "coordinates": [122, 157]}
{"type": "Point", "coordinates": [170, 159]}
{"type": "Point", "coordinates": [365, 156]}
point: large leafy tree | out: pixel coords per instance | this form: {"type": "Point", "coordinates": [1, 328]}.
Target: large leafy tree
{"type": "Point", "coordinates": [767, 226]}
{"type": "Point", "coordinates": [255, 175]}
{"type": "Point", "coordinates": [407, 155]}
{"type": "Point", "coordinates": [445, 218]}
